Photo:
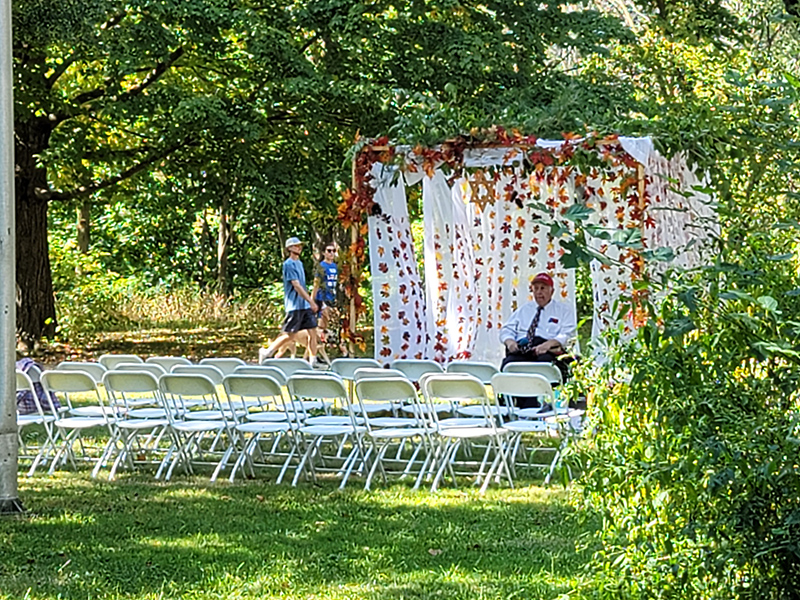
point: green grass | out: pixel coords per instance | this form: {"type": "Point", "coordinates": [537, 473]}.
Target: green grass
{"type": "Point", "coordinates": [136, 539]}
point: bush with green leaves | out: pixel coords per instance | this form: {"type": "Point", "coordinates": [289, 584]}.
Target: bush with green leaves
{"type": "Point", "coordinates": [694, 462]}
{"type": "Point", "coordinates": [88, 294]}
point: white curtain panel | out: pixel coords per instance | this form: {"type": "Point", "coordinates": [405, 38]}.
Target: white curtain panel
{"type": "Point", "coordinates": [681, 214]}
{"type": "Point", "coordinates": [450, 277]}
{"type": "Point", "coordinates": [612, 280]}
{"type": "Point", "coordinates": [401, 329]}
{"type": "Point", "coordinates": [480, 259]}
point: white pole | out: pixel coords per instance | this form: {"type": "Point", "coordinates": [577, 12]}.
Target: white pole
{"type": "Point", "coordinates": [9, 496]}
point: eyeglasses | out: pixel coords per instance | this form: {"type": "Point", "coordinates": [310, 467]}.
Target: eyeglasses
{"type": "Point", "coordinates": [330, 249]}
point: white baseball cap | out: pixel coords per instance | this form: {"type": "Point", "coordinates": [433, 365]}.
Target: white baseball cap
{"type": "Point", "coordinates": [293, 241]}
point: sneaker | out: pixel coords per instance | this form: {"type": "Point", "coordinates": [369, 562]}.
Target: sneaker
{"type": "Point", "coordinates": [263, 355]}
{"type": "Point", "coordinates": [318, 364]}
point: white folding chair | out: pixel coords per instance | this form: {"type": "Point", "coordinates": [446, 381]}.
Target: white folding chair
{"type": "Point", "coordinates": [529, 420]}
{"type": "Point", "coordinates": [481, 370]}
{"type": "Point", "coordinates": [454, 436]}
{"type": "Point", "coordinates": [110, 361]}
{"type": "Point", "coordinates": [273, 372]}
{"type": "Point", "coordinates": [95, 414]}
{"type": "Point", "coordinates": [181, 391]}
{"type": "Point", "coordinates": [414, 369]}
{"type": "Point", "coordinates": [346, 367]}
{"type": "Point", "coordinates": [154, 369]}
{"type": "Point", "coordinates": [266, 418]}
{"type": "Point", "coordinates": [44, 416]}
{"type": "Point", "coordinates": [377, 373]}
{"type": "Point", "coordinates": [167, 362]}
{"type": "Point", "coordinates": [225, 364]}
{"type": "Point", "coordinates": [95, 370]}
{"type": "Point", "coordinates": [287, 365]}
{"type": "Point", "coordinates": [547, 370]}
{"type": "Point", "coordinates": [210, 371]}
{"type": "Point", "coordinates": [373, 396]}
{"type": "Point", "coordinates": [313, 432]}
{"type": "Point", "coordinates": [138, 432]}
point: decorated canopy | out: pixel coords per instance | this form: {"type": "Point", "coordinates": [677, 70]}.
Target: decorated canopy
{"type": "Point", "coordinates": [495, 214]}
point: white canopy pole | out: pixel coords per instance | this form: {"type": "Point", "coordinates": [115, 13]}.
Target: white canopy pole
{"type": "Point", "coordinates": [9, 497]}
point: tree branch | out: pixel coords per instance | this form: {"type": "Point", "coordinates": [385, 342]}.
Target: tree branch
{"type": "Point", "coordinates": [157, 72]}
{"type": "Point", "coordinates": [99, 92]}
{"type": "Point", "coordinates": [62, 68]}
{"type": "Point", "coordinates": [96, 186]}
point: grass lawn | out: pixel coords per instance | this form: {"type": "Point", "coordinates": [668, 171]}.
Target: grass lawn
{"type": "Point", "coordinates": [187, 539]}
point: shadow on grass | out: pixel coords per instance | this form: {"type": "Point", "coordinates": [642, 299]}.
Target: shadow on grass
{"type": "Point", "coordinates": [137, 539]}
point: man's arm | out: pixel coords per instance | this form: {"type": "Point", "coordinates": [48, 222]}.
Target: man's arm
{"type": "Point", "coordinates": [304, 294]}
{"type": "Point", "coordinates": [508, 332]}
{"type": "Point", "coordinates": [318, 281]}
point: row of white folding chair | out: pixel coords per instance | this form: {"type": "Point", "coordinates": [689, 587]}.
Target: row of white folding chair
{"type": "Point", "coordinates": [123, 416]}
{"type": "Point", "coordinates": [68, 429]}
{"type": "Point", "coordinates": [434, 440]}
{"type": "Point", "coordinates": [309, 435]}
{"type": "Point", "coordinates": [246, 428]}
{"type": "Point", "coordinates": [225, 364]}
{"type": "Point", "coordinates": [107, 362]}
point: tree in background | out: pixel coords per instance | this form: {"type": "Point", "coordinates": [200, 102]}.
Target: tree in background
{"type": "Point", "coordinates": [245, 110]}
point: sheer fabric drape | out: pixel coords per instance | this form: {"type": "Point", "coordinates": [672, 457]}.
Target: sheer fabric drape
{"type": "Point", "coordinates": [485, 237]}
{"type": "Point", "coordinates": [400, 321]}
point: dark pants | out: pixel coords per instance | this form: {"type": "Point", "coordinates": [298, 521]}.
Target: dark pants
{"type": "Point", "coordinates": [548, 357]}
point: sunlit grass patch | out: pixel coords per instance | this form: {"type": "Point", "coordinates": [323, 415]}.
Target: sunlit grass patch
{"type": "Point", "coordinates": [187, 539]}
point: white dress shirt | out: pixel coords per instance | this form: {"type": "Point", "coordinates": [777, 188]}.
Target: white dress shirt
{"type": "Point", "coordinates": [557, 322]}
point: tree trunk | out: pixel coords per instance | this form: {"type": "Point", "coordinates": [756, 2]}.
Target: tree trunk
{"type": "Point", "coordinates": [36, 310]}
{"type": "Point", "coordinates": [223, 246]}
{"type": "Point", "coordinates": [84, 224]}
{"type": "Point", "coordinates": [279, 231]}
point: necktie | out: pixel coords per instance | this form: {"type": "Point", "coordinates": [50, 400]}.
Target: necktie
{"type": "Point", "coordinates": [534, 324]}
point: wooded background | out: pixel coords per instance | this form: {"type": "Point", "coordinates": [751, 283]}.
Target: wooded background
{"type": "Point", "coordinates": [174, 145]}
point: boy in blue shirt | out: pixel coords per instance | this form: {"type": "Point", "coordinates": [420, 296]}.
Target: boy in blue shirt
{"type": "Point", "coordinates": [300, 307]}
{"type": "Point", "coordinates": [326, 276]}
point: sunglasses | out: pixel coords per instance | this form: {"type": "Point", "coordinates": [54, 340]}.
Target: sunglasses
{"type": "Point", "coordinates": [330, 249]}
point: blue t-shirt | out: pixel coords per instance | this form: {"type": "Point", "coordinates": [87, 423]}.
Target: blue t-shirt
{"type": "Point", "coordinates": [327, 276]}
{"type": "Point", "coordinates": [293, 271]}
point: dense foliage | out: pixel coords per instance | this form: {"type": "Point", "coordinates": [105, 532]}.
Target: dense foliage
{"type": "Point", "coordinates": [194, 136]}
{"type": "Point", "coordinates": [693, 459]}
{"type": "Point", "coordinates": [694, 462]}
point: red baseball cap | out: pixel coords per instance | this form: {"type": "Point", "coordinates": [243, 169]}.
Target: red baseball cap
{"type": "Point", "coordinates": [543, 278]}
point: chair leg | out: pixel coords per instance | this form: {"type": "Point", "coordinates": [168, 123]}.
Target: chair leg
{"type": "Point", "coordinates": [445, 464]}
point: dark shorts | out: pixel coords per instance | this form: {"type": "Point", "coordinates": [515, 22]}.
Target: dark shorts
{"type": "Point", "coordinates": [298, 320]}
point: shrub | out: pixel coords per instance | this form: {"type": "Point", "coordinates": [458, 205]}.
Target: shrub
{"type": "Point", "coordinates": [87, 294]}
{"type": "Point", "coordinates": [694, 462]}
